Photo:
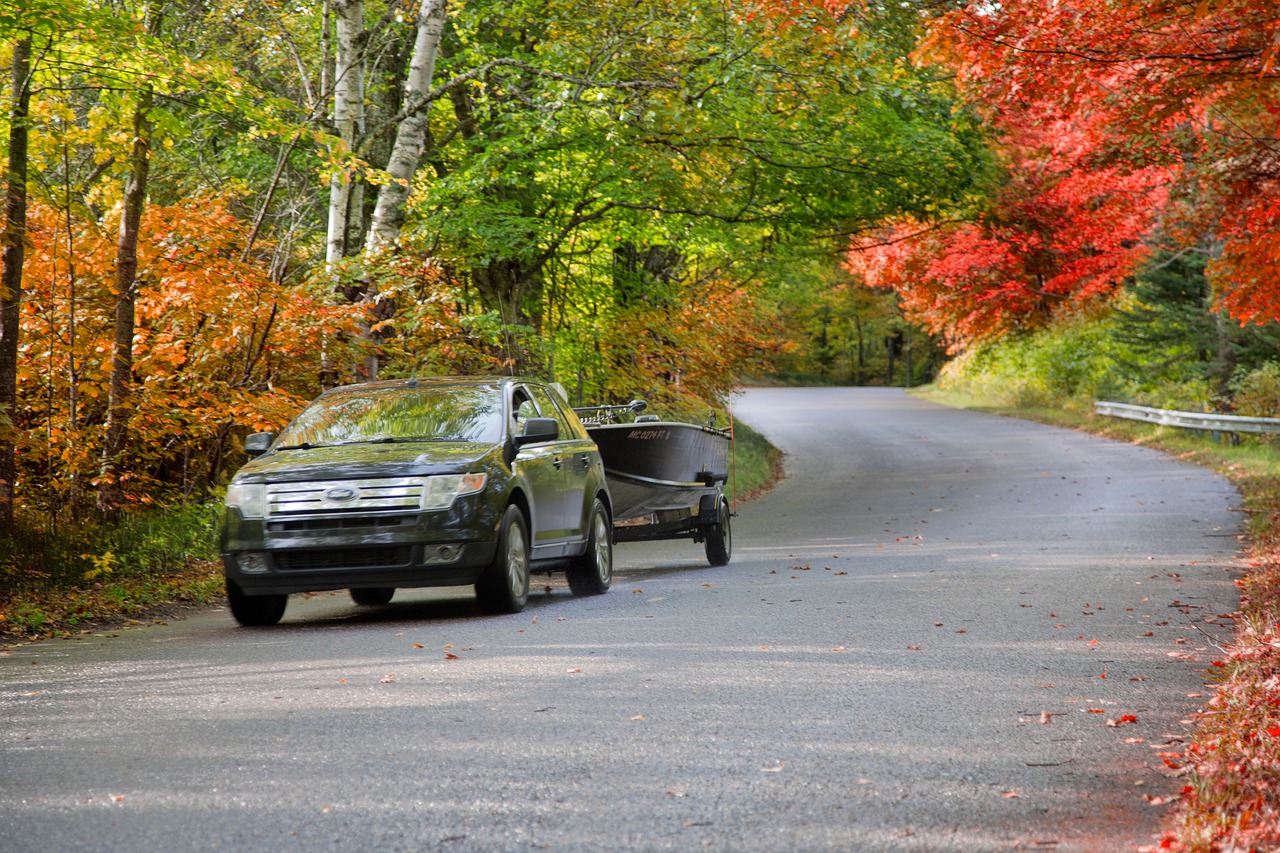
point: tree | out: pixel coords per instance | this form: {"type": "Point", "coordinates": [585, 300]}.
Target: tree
{"type": "Point", "coordinates": [1063, 229]}
{"type": "Point", "coordinates": [13, 240]}
{"type": "Point", "coordinates": [1191, 87]}
{"type": "Point", "coordinates": [110, 490]}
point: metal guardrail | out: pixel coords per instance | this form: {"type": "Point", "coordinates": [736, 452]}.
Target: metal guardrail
{"type": "Point", "coordinates": [1188, 420]}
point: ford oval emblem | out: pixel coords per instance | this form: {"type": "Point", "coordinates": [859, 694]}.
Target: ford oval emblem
{"type": "Point", "coordinates": [341, 493]}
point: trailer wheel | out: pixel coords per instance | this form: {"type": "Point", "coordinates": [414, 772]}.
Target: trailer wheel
{"type": "Point", "coordinates": [720, 536]}
{"type": "Point", "coordinates": [592, 573]}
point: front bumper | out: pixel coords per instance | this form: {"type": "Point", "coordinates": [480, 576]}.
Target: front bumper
{"type": "Point", "coordinates": [322, 552]}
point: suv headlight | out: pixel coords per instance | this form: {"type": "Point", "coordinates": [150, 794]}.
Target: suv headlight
{"type": "Point", "coordinates": [249, 498]}
{"type": "Point", "coordinates": [441, 491]}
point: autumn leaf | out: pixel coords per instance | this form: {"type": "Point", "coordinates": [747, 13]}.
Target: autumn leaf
{"type": "Point", "coordinates": [1123, 720]}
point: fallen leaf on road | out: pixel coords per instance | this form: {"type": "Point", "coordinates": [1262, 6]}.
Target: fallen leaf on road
{"type": "Point", "coordinates": [839, 649]}
{"type": "Point", "coordinates": [451, 656]}
{"type": "Point", "coordinates": [417, 645]}
{"type": "Point", "coordinates": [913, 648]}
{"type": "Point", "coordinates": [1011, 795]}
{"type": "Point", "coordinates": [1123, 720]}
{"type": "Point", "coordinates": [675, 793]}
{"type": "Point", "coordinates": [776, 769]}
{"type": "Point", "coordinates": [573, 670]}
{"type": "Point", "coordinates": [389, 678]}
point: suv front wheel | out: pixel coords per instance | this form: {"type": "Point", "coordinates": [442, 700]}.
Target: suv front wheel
{"type": "Point", "coordinates": [255, 610]}
{"type": "Point", "coordinates": [504, 586]}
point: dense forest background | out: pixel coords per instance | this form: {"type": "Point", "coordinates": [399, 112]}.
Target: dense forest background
{"type": "Point", "coordinates": [213, 210]}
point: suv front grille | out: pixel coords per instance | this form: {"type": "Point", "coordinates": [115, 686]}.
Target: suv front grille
{"type": "Point", "coordinates": [314, 560]}
{"type": "Point", "coordinates": [286, 500]}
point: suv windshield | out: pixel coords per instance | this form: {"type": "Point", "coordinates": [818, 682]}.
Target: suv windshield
{"type": "Point", "coordinates": [445, 413]}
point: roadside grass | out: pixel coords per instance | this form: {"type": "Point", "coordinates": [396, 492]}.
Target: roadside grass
{"type": "Point", "coordinates": [66, 579]}
{"type": "Point", "coordinates": [754, 465]}
{"type": "Point", "coordinates": [1230, 800]}
{"type": "Point", "coordinates": [58, 582]}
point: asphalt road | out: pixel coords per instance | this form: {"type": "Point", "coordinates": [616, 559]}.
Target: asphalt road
{"type": "Point", "coordinates": [918, 645]}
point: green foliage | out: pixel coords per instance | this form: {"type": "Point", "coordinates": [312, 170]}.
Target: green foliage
{"type": "Point", "coordinates": [39, 555]}
{"type": "Point", "coordinates": [1066, 365]}
{"type": "Point", "coordinates": [1257, 392]}
{"type": "Point", "coordinates": [1173, 334]}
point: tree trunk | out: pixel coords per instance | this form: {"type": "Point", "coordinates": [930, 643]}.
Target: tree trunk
{"type": "Point", "coordinates": [110, 487]}
{"type": "Point", "coordinates": [14, 242]}
{"type": "Point", "coordinates": [348, 115]}
{"type": "Point", "coordinates": [411, 134]}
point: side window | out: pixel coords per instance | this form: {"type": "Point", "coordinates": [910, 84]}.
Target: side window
{"type": "Point", "coordinates": [523, 408]}
{"type": "Point", "coordinates": [547, 405]}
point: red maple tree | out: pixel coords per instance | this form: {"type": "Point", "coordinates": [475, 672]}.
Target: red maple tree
{"type": "Point", "coordinates": [1119, 126]}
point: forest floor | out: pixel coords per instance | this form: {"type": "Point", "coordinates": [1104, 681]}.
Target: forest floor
{"type": "Point", "coordinates": [1230, 802]}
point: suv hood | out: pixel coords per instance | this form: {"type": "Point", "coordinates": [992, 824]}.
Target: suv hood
{"type": "Point", "coordinates": [365, 461]}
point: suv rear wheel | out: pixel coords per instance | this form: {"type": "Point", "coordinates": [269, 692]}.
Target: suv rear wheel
{"type": "Point", "coordinates": [592, 573]}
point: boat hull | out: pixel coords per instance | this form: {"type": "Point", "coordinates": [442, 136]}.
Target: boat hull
{"type": "Point", "coordinates": [660, 465]}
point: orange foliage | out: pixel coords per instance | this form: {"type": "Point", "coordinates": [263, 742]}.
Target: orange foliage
{"type": "Point", "coordinates": [698, 343]}
{"type": "Point", "coordinates": [219, 347]}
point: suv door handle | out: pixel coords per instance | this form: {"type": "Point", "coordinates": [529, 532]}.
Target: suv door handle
{"type": "Point", "coordinates": [558, 462]}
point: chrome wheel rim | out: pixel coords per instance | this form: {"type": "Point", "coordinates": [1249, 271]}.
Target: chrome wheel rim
{"type": "Point", "coordinates": [604, 554]}
{"type": "Point", "coordinates": [725, 529]}
{"type": "Point", "coordinates": [517, 560]}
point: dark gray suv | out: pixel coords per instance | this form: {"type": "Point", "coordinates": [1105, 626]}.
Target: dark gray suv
{"type": "Point", "coordinates": [419, 482]}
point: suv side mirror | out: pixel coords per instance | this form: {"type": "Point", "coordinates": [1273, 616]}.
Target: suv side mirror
{"type": "Point", "coordinates": [537, 430]}
{"type": "Point", "coordinates": [257, 444]}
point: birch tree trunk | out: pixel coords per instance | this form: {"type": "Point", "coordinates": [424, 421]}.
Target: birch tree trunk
{"type": "Point", "coordinates": [411, 134]}
{"type": "Point", "coordinates": [348, 116]}
{"type": "Point", "coordinates": [14, 241]}
{"type": "Point", "coordinates": [110, 487]}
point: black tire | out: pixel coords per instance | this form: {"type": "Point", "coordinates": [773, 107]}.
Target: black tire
{"type": "Point", "coordinates": [592, 573]}
{"type": "Point", "coordinates": [720, 536]}
{"type": "Point", "coordinates": [504, 586]}
{"type": "Point", "coordinates": [374, 596]}
{"type": "Point", "coordinates": [255, 611]}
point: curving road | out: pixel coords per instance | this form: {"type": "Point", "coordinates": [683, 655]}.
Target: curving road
{"type": "Point", "coordinates": [919, 643]}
